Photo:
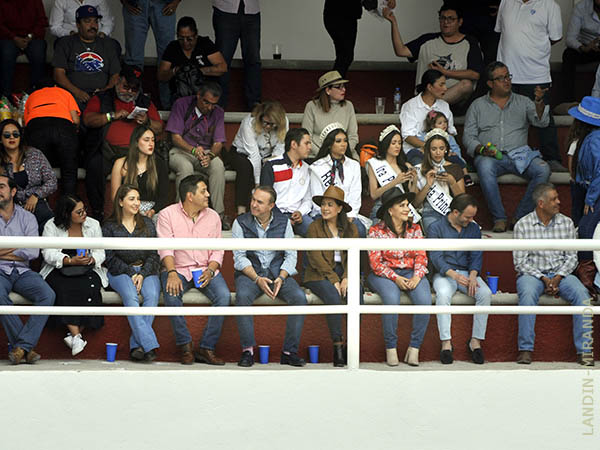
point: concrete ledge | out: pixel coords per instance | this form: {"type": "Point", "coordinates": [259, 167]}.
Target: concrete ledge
{"type": "Point", "coordinates": [196, 298]}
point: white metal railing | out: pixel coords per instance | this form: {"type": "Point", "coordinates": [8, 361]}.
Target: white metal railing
{"type": "Point", "coordinates": [352, 309]}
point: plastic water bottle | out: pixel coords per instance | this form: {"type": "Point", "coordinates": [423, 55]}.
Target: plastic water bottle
{"type": "Point", "coordinates": [397, 101]}
{"type": "Point", "coordinates": [497, 153]}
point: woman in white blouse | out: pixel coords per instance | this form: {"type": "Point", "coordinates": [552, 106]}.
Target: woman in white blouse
{"type": "Point", "coordinates": [261, 136]}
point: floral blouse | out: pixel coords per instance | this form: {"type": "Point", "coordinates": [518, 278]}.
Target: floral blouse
{"type": "Point", "coordinates": [383, 262]}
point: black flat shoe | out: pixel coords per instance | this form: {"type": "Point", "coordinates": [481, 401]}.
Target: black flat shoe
{"type": "Point", "coordinates": [150, 356]}
{"type": "Point", "coordinates": [136, 354]}
{"type": "Point", "coordinates": [292, 360]}
{"type": "Point", "coordinates": [476, 355]}
{"type": "Point", "coordinates": [447, 356]}
{"type": "Point", "coordinates": [247, 359]}
{"type": "Point", "coordinates": [338, 356]}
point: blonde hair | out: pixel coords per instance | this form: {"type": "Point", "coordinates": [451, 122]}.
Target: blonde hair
{"type": "Point", "coordinates": [274, 111]}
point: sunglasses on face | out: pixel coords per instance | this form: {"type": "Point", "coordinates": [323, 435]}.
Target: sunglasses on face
{"type": "Point", "coordinates": [186, 38]}
{"type": "Point", "coordinates": [340, 87]}
{"type": "Point", "coordinates": [15, 134]}
{"type": "Point", "coordinates": [81, 212]}
{"type": "Point", "coordinates": [266, 123]}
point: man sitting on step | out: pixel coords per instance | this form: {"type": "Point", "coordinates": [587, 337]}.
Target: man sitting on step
{"type": "Point", "coordinates": [548, 271]}
{"type": "Point", "coordinates": [496, 131]}
{"type": "Point", "coordinates": [266, 272]}
{"type": "Point", "coordinates": [15, 275]}
{"type": "Point", "coordinates": [192, 218]}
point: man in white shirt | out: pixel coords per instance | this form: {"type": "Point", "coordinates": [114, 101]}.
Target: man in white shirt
{"type": "Point", "coordinates": [528, 29]}
{"type": "Point", "coordinates": [62, 17]}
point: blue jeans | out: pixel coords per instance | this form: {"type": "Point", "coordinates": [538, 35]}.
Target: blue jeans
{"type": "Point", "coordinates": [229, 29]}
{"type": "Point", "coordinates": [429, 216]}
{"type": "Point", "coordinates": [530, 288]}
{"type": "Point", "coordinates": [142, 334]}
{"type": "Point", "coordinates": [247, 291]}
{"type": "Point", "coordinates": [217, 292]}
{"type": "Point", "coordinates": [136, 31]}
{"type": "Point", "coordinates": [445, 287]}
{"type": "Point", "coordinates": [301, 228]}
{"type": "Point", "coordinates": [33, 287]}
{"type": "Point", "coordinates": [414, 156]}
{"type": "Point", "coordinates": [489, 169]}
{"type": "Point", "coordinates": [36, 55]}
{"type": "Point", "coordinates": [326, 291]}
{"type": "Point", "coordinates": [587, 226]}
{"type": "Point", "coordinates": [390, 294]}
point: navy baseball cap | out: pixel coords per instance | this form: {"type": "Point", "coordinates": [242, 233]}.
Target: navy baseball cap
{"type": "Point", "coordinates": [86, 11]}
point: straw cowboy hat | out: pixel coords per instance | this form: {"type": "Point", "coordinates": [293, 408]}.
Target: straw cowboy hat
{"type": "Point", "coordinates": [335, 193]}
{"type": "Point", "coordinates": [332, 77]}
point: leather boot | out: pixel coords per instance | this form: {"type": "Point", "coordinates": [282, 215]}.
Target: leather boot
{"type": "Point", "coordinates": [412, 356]}
{"type": "Point", "coordinates": [338, 356]}
{"type": "Point", "coordinates": [187, 356]}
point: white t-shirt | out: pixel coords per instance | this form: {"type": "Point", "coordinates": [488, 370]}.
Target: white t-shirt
{"type": "Point", "coordinates": [572, 147]}
{"type": "Point", "coordinates": [413, 114]}
{"type": "Point", "coordinates": [526, 31]}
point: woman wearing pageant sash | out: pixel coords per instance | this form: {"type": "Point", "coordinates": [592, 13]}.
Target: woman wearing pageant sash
{"type": "Point", "coordinates": [438, 180]}
{"type": "Point", "coordinates": [389, 168]}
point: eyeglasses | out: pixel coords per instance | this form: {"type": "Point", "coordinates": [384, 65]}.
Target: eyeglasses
{"type": "Point", "coordinates": [186, 38]}
{"type": "Point", "coordinates": [81, 212]}
{"type": "Point", "coordinates": [507, 77]}
{"type": "Point", "coordinates": [126, 87]}
{"type": "Point", "coordinates": [207, 103]}
{"type": "Point", "coordinates": [15, 134]}
{"type": "Point", "coordinates": [266, 123]}
{"type": "Point", "coordinates": [448, 19]}
{"type": "Point", "coordinates": [340, 87]}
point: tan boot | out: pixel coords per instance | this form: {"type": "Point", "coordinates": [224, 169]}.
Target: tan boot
{"type": "Point", "coordinates": [412, 356]}
{"type": "Point", "coordinates": [391, 356]}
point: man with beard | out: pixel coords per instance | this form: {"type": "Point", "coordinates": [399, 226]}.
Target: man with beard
{"type": "Point", "coordinates": [111, 116]}
{"type": "Point", "coordinates": [85, 64]}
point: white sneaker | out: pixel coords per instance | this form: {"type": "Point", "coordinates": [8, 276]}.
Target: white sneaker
{"type": "Point", "coordinates": [68, 340]}
{"type": "Point", "coordinates": [78, 345]}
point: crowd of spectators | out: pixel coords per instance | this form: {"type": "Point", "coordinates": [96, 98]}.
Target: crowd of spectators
{"type": "Point", "coordinates": [305, 181]}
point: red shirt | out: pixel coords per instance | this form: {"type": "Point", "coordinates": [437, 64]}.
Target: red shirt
{"type": "Point", "coordinates": [23, 17]}
{"type": "Point", "coordinates": [119, 131]}
{"type": "Point", "coordinates": [384, 262]}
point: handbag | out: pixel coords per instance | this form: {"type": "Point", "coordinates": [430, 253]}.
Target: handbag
{"type": "Point", "coordinates": [586, 272]}
{"type": "Point", "coordinates": [75, 271]}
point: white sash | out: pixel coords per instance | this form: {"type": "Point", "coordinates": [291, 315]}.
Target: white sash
{"type": "Point", "coordinates": [322, 170]}
{"type": "Point", "coordinates": [385, 174]}
{"type": "Point", "coordinates": [438, 199]}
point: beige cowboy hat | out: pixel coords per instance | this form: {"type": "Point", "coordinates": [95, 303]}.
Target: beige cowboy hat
{"type": "Point", "coordinates": [335, 193]}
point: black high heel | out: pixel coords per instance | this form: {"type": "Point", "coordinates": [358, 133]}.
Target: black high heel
{"type": "Point", "coordinates": [338, 356]}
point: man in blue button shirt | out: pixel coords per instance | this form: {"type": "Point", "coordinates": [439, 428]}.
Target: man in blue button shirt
{"type": "Point", "coordinates": [459, 270]}
{"type": "Point", "coordinates": [266, 272]}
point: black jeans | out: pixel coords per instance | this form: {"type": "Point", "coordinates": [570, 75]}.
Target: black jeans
{"type": "Point", "coordinates": [343, 33]}
{"type": "Point", "coordinates": [57, 139]}
{"type": "Point", "coordinates": [548, 136]}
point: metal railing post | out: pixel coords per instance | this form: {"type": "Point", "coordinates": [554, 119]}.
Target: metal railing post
{"type": "Point", "coordinates": [353, 319]}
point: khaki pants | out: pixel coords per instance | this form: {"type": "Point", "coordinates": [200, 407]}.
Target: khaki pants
{"type": "Point", "coordinates": [184, 164]}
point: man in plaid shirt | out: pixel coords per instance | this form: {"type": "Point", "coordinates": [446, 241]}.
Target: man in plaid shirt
{"type": "Point", "coordinates": [548, 271]}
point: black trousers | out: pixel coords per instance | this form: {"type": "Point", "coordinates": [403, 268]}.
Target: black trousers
{"type": "Point", "coordinates": [57, 139]}
{"type": "Point", "coordinates": [343, 32]}
{"type": "Point", "coordinates": [570, 60]}
{"type": "Point", "coordinates": [244, 179]}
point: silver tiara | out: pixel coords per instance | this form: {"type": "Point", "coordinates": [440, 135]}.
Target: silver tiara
{"type": "Point", "coordinates": [437, 132]}
{"type": "Point", "coordinates": [387, 130]}
{"type": "Point", "coordinates": [329, 128]}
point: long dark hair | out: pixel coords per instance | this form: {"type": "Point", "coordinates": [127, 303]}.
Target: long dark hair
{"type": "Point", "coordinates": [63, 209]}
{"type": "Point", "coordinates": [133, 156]}
{"type": "Point", "coordinates": [387, 219]}
{"type": "Point", "coordinates": [342, 222]}
{"type": "Point", "coordinates": [578, 132]}
{"type": "Point", "coordinates": [328, 142]}
{"type": "Point", "coordinates": [427, 164]}
{"type": "Point", "coordinates": [22, 146]}
{"type": "Point", "coordinates": [117, 214]}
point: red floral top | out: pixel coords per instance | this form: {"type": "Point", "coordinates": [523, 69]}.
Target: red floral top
{"type": "Point", "coordinates": [384, 262]}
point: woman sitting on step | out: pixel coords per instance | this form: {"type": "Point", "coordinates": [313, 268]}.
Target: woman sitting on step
{"type": "Point", "coordinates": [144, 170]}
{"type": "Point", "coordinates": [438, 180]}
{"type": "Point", "coordinates": [395, 271]}
{"type": "Point", "coordinates": [389, 168]}
{"type": "Point", "coordinates": [134, 272]}
{"type": "Point", "coordinates": [327, 270]}
{"type": "Point", "coordinates": [76, 276]}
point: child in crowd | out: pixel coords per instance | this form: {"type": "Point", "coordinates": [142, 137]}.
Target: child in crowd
{"type": "Point", "coordinates": [437, 119]}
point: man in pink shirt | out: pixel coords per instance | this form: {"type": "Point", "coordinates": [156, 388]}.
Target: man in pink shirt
{"type": "Point", "coordinates": [192, 218]}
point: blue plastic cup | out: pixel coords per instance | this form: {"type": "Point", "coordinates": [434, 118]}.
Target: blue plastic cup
{"type": "Point", "coordinates": [111, 351]}
{"type": "Point", "coordinates": [196, 274]}
{"type": "Point", "coordinates": [492, 282]}
{"type": "Point", "coordinates": [263, 353]}
{"type": "Point", "coordinates": [81, 251]}
{"type": "Point", "coordinates": [313, 354]}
